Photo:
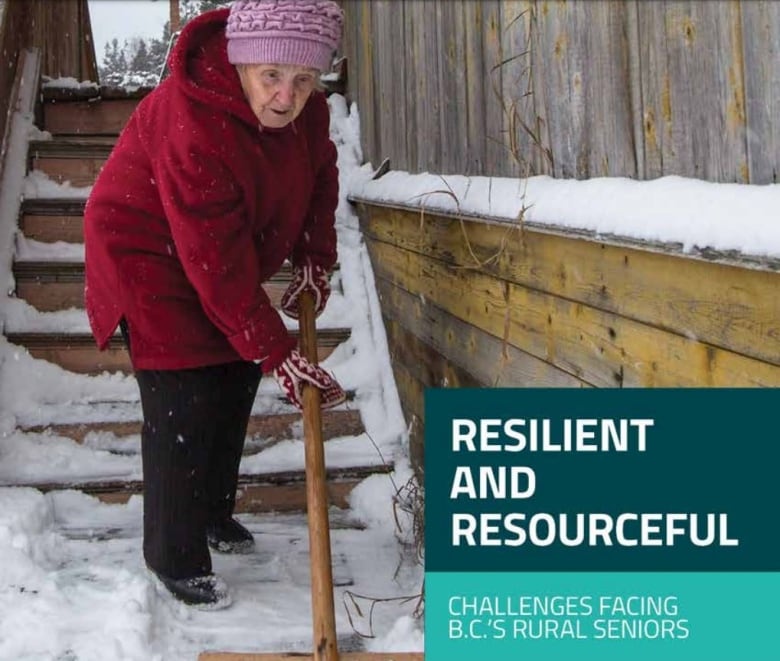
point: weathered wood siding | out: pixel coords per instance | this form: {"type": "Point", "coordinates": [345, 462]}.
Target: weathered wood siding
{"type": "Point", "coordinates": [583, 88]}
{"type": "Point", "coordinates": [555, 310]}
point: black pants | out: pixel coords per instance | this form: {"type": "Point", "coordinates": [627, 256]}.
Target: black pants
{"type": "Point", "coordinates": [195, 422]}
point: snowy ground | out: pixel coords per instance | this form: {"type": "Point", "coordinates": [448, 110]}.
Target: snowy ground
{"type": "Point", "coordinates": [72, 581]}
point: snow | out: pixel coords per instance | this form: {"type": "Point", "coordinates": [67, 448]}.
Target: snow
{"type": "Point", "coordinates": [696, 214]}
{"type": "Point", "coordinates": [68, 82]}
{"type": "Point", "coordinates": [72, 581]}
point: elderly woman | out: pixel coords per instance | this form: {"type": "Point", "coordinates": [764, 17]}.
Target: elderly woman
{"type": "Point", "coordinates": [222, 173]}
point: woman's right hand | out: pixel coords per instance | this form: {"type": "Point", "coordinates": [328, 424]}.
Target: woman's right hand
{"type": "Point", "coordinates": [295, 370]}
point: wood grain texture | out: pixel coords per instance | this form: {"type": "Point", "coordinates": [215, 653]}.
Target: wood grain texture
{"type": "Point", "coordinates": [724, 305]}
{"type": "Point", "coordinates": [573, 314]}
{"type": "Point", "coordinates": [105, 117]}
{"type": "Point", "coordinates": [488, 360]}
{"type": "Point", "coordinates": [270, 428]}
{"type": "Point", "coordinates": [79, 353]}
{"type": "Point", "coordinates": [612, 87]}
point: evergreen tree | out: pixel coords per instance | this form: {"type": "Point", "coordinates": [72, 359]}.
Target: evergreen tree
{"type": "Point", "coordinates": [193, 8]}
{"type": "Point", "coordinates": [158, 48]}
{"type": "Point", "coordinates": [140, 61]}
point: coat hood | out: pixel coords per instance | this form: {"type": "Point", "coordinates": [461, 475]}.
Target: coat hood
{"type": "Point", "coordinates": [200, 68]}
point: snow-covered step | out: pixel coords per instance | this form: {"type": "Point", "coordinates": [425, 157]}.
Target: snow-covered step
{"type": "Point", "coordinates": [77, 352]}
{"type": "Point", "coordinates": [283, 491]}
{"type": "Point", "coordinates": [76, 160]}
{"type": "Point", "coordinates": [262, 431]}
{"type": "Point", "coordinates": [273, 534]}
{"type": "Point", "coordinates": [53, 219]}
{"type": "Point", "coordinates": [96, 575]}
{"type": "Point", "coordinates": [49, 286]}
{"type": "Point", "coordinates": [59, 285]}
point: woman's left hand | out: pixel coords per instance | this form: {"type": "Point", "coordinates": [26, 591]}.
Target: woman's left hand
{"type": "Point", "coordinates": [307, 277]}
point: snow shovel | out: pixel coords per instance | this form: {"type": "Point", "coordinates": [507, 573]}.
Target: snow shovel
{"type": "Point", "coordinates": [324, 643]}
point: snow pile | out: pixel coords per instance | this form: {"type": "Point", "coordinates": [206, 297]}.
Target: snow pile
{"type": "Point", "coordinates": [694, 213]}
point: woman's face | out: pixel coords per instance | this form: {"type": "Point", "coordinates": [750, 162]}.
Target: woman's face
{"type": "Point", "coordinates": [277, 92]}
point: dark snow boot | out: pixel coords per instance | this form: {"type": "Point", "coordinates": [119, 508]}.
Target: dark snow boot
{"type": "Point", "coordinates": [208, 592]}
{"type": "Point", "coordinates": [229, 536]}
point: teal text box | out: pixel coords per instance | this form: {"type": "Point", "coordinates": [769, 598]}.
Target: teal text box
{"type": "Point", "coordinates": [710, 452]}
{"type": "Point", "coordinates": [596, 616]}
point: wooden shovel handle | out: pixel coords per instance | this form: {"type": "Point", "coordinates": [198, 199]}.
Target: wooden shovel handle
{"type": "Point", "coordinates": [323, 616]}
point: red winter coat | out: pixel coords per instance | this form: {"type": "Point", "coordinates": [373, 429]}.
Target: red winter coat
{"type": "Point", "coordinates": [196, 207]}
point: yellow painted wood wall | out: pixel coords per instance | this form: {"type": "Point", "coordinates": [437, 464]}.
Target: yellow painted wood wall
{"type": "Point", "coordinates": [471, 303]}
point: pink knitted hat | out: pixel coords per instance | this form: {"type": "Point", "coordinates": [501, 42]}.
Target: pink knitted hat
{"type": "Point", "coordinates": [303, 32]}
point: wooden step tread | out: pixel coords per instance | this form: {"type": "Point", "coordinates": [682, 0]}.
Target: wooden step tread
{"type": "Point", "coordinates": [279, 525]}
{"type": "Point", "coordinates": [276, 427]}
{"type": "Point", "coordinates": [49, 286]}
{"type": "Point", "coordinates": [77, 352]}
{"type": "Point", "coordinates": [53, 219]}
{"type": "Point", "coordinates": [72, 271]}
{"type": "Point", "coordinates": [326, 337]}
{"type": "Point", "coordinates": [75, 147]}
{"type": "Point", "coordinates": [53, 206]}
{"type": "Point", "coordinates": [88, 111]}
{"type": "Point", "coordinates": [269, 492]}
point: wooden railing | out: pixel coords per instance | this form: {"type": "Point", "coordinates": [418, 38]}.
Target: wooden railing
{"type": "Point", "coordinates": [62, 32]}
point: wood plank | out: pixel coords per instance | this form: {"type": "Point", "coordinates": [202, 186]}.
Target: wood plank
{"type": "Point", "coordinates": [275, 427]}
{"type": "Point", "coordinates": [693, 102]}
{"type": "Point", "coordinates": [429, 112]}
{"type": "Point", "coordinates": [409, 62]}
{"type": "Point", "coordinates": [88, 146]}
{"type": "Point", "coordinates": [496, 156]}
{"type": "Point", "coordinates": [385, 73]}
{"type": "Point", "coordinates": [760, 36]}
{"type": "Point", "coordinates": [632, 28]}
{"type": "Point", "coordinates": [271, 492]}
{"type": "Point", "coordinates": [52, 228]}
{"type": "Point", "coordinates": [53, 219]}
{"type": "Point", "coordinates": [78, 171]}
{"type": "Point", "coordinates": [492, 361]}
{"type": "Point", "coordinates": [475, 90]}
{"type": "Point", "coordinates": [452, 86]}
{"type": "Point", "coordinates": [79, 353]}
{"type": "Point", "coordinates": [54, 206]}
{"type": "Point", "coordinates": [73, 271]}
{"type": "Point", "coordinates": [51, 286]}
{"type": "Point", "coordinates": [583, 48]}
{"type": "Point", "coordinates": [423, 361]}
{"type": "Point", "coordinates": [411, 393]}
{"type": "Point", "coordinates": [599, 347]}
{"type": "Point", "coordinates": [525, 135]}
{"type": "Point", "coordinates": [49, 294]}
{"type": "Point", "coordinates": [369, 135]}
{"type": "Point", "coordinates": [720, 304]}
{"type": "Point", "coordinates": [95, 117]}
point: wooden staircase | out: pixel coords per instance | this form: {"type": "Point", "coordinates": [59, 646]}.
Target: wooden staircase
{"type": "Point", "coordinates": [84, 125]}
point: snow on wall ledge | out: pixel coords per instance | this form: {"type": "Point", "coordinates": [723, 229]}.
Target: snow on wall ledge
{"type": "Point", "coordinates": [697, 214]}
